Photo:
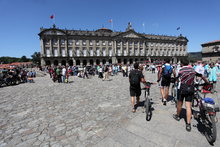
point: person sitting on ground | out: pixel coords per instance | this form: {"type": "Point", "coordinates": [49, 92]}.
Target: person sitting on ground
{"type": "Point", "coordinates": [135, 77]}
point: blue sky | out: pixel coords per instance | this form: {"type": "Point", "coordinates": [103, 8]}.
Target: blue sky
{"type": "Point", "coordinates": [20, 20]}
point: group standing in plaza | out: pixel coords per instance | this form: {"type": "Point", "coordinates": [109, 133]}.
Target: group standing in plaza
{"type": "Point", "coordinates": [184, 75]}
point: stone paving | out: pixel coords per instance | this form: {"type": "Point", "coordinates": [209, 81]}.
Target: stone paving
{"type": "Point", "coordinates": [89, 112]}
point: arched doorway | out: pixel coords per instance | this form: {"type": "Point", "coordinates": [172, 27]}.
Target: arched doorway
{"type": "Point", "coordinates": [136, 59]}
{"type": "Point", "coordinates": [77, 62]}
{"type": "Point", "coordinates": [55, 63]}
{"type": "Point", "coordinates": [119, 60]}
{"type": "Point", "coordinates": [70, 62]}
{"type": "Point", "coordinates": [91, 62]}
{"type": "Point", "coordinates": [110, 61]}
{"type": "Point", "coordinates": [63, 62]}
{"type": "Point", "coordinates": [97, 62]}
{"type": "Point", "coordinates": [103, 61]}
{"type": "Point", "coordinates": [48, 62]}
{"type": "Point", "coordinates": [131, 61]}
{"type": "Point", "coordinates": [125, 61]}
{"type": "Point", "coordinates": [142, 59]}
{"type": "Point", "coordinates": [84, 62]}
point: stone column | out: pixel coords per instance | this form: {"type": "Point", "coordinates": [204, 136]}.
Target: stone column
{"type": "Point", "coordinates": [121, 48]}
{"type": "Point", "coordinates": [66, 48]}
{"type": "Point", "coordinates": [127, 49]}
{"type": "Point", "coordinates": [58, 48]}
{"type": "Point", "coordinates": [138, 47]}
{"type": "Point", "coordinates": [133, 48]}
{"type": "Point", "coordinates": [51, 52]}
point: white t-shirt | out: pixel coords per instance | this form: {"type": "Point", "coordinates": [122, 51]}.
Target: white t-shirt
{"type": "Point", "coordinates": [64, 71]}
{"type": "Point", "coordinates": [200, 69]}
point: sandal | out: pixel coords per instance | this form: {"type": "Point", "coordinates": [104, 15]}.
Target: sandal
{"type": "Point", "coordinates": [133, 110]}
{"type": "Point", "coordinates": [188, 127]}
{"type": "Point", "coordinates": [176, 117]}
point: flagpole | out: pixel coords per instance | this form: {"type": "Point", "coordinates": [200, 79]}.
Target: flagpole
{"type": "Point", "coordinates": [143, 28]}
{"type": "Point", "coordinates": [112, 26]}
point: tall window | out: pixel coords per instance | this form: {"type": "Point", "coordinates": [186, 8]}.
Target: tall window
{"type": "Point", "coordinates": [77, 42]}
{"type": "Point", "coordinates": [91, 52]}
{"type": "Point", "coordinates": [130, 51]}
{"type": "Point", "coordinates": [136, 51]}
{"type": "Point", "coordinates": [125, 52]}
{"type": "Point", "coordinates": [62, 41]}
{"type": "Point", "coordinates": [70, 41]}
{"type": "Point", "coordinates": [118, 43]}
{"type": "Point", "coordinates": [63, 51]}
{"type": "Point", "coordinates": [110, 52]}
{"type": "Point", "coordinates": [77, 52]}
{"type": "Point", "coordinates": [54, 41]}
{"type": "Point", "coordinates": [84, 42]}
{"type": "Point", "coordinates": [97, 43]}
{"type": "Point", "coordinates": [97, 52]}
{"type": "Point", "coordinates": [47, 41]}
{"type": "Point", "coordinates": [70, 51]}
{"type": "Point", "coordinates": [142, 51]}
{"type": "Point", "coordinates": [118, 51]}
{"type": "Point", "coordinates": [84, 52]}
{"type": "Point", "coordinates": [55, 50]}
{"type": "Point", "coordinates": [103, 51]}
{"type": "Point", "coordinates": [90, 42]}
{"type": "Point", "coordinates": [47, 51]}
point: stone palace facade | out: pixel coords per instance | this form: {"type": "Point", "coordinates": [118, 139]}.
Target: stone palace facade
{"type": "Point", "coordinates": [211, 51]}
{"type": "Point", "coordinates": [103, 46]}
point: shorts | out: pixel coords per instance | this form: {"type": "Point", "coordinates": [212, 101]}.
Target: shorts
{"type": "Point", "coordinates": [135, 91]}
{"type": "Point", "coordinates": [187, 97]}
{"type": "Point", "coordinates": [165, 82]}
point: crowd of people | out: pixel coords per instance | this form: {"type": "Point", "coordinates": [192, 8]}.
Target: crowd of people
{"type": "Point", "coordinates": [184, 74]}
{"type": "Point", "coordinates": [16, 75]}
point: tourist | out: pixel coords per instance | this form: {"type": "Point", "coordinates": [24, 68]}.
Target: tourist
{"type": "Point", "coordinates": [135, 77]}
{"type": "Point", "coordinates": [164, 77]}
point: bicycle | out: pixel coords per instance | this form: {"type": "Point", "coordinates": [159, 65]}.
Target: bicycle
{"type": "Point", "coordinates": [207, 113]}
{"type": "Point", "coordinates": [147, 102]}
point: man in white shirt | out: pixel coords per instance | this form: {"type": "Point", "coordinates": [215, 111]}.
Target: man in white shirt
{"type": "Point", "coordinates": [63, 74]}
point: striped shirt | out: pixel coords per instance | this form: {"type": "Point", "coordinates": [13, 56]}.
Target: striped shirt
{"type": "Point", "coordinates": [187, 75]}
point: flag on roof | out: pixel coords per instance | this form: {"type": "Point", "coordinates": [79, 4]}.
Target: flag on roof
{"type": "Point", "coordinates": [178, 28]}
{"type": "Point", "coordinates": [52, 16]}
{"type": "Point", "coordinates": [110, 21]}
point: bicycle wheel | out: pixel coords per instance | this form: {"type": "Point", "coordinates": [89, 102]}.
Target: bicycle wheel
{"type": "Point", "coordinates": [211, 131]}
{"type": "Point", "coordinates": [147, 107]}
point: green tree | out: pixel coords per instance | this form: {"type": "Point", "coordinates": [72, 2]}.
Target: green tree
{"type": "Point", "coordinates": [24, 59]}
{"type": "Point", "coordinates": [36, 58]}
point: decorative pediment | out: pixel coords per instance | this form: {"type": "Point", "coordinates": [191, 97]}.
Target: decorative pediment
{"type": "Point", "coordinates": [131, 35]}
{"type": "Point", "coordinates": [53, 32]}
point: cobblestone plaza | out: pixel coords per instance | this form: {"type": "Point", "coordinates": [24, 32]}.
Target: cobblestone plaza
{"type": "Point", "coordinates": [89, 112]}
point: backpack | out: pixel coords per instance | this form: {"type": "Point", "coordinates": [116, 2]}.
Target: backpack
{"type": "Point", "coordinates": [135, 79]}
{"type": "Point", "coordinates": [167, 71]}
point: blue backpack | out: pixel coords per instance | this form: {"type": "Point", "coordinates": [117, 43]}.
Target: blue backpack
{"type": "Point", "coordinates": [167, 71]}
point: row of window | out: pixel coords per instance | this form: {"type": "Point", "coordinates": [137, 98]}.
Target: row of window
{"type": "Point", "coordinates": [103, 52]}
{"type": "Point", "coordinates": [83, 42]}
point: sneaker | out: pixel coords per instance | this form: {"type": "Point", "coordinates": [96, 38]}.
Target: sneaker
{"type": "Point", "coordinates": [164, 102]}
{"type": "Point", "coordinates": [176, 117]}
{"type": "Point", "coordinates": [188, 127]}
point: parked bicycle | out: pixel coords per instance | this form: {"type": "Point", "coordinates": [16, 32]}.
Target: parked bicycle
{"type": "Point", "coordinates": [147, 102]}
{"type": "Point", "coordinates": [207, 112]}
